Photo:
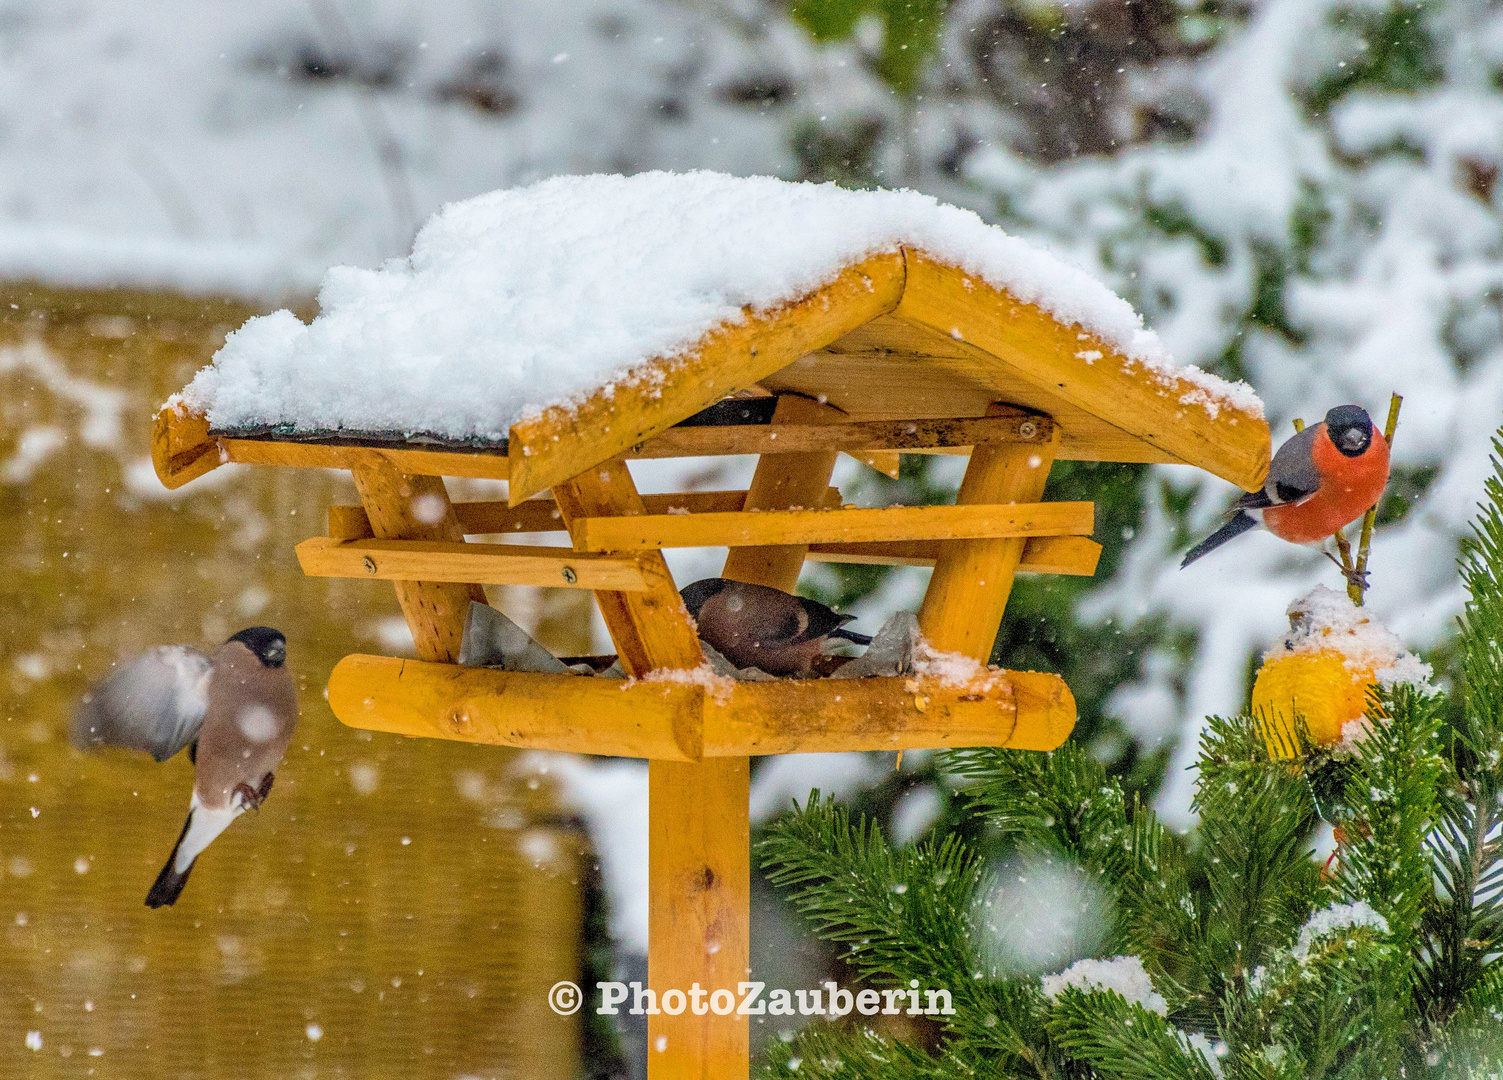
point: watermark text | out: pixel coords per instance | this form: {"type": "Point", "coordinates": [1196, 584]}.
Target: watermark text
{"type": "Point", "coordinates": [754, 999]}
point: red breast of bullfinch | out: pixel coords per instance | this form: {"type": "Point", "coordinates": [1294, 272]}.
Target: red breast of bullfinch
{"type": "Point", "coordinates": [1322, 479]}
{"type": "Point", "coordinates": [1348, 486]}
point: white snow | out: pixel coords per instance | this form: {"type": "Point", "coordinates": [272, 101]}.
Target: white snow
{"type": "Point", "coordinates": [719, 687]}
{"type": "Point", "coordinates": [954, 669]}
{"type": "Point", "coordinates": [1124, 974]}
{"type": "Point", "coordinates": [1334, 918]}
{"type": "Point", "coordinates": [1325, 620]}
{"type": "Point", "coordinates": [522, 299]}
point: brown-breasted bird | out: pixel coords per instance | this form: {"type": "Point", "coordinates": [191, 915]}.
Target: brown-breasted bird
{"type": "Point", "coordinates": [1323, 478]}
{"type": "Point", "coordinates": [235, 711]}
{"type": "Point", "coordinates": [762, 627]}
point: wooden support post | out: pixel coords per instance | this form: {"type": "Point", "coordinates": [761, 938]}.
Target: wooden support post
{"type": "Point", "coordinates": [699, 837]}
{"type": "Point", "coordinates": [404, 507]}
{"type": "Point", "coordinates": [783, 482]}
{"type": "Point", "coordinates": [963, 606]}
{"type": "Point", "coordinates": [700, 831]}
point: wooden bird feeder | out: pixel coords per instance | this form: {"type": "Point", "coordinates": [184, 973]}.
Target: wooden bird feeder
{"type": "Point", "coordinates": [899, 353]}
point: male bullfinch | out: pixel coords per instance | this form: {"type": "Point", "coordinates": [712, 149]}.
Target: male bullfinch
{"type": "Point", "coordinates": [762, 627]}
{"type": "Point", "coordinates": [1323, 478]}
{"type": "Point", "coordinates": [235, 712]}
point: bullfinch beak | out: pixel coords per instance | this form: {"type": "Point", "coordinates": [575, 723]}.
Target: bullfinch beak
{"type": "Point", "coordinates": [762, 627]}
{"type": "Point", "coordinates": [235, 711]}
{"type": "Point", "coordinates": [1321, 480]}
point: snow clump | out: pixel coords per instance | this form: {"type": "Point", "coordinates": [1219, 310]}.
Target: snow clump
{"type": "Point", "coordinates": [1124, 974]}
{"type": "Point", "coordinates": [1334, 918]}
{"type": "Point", "coordinates": [1325, 620]}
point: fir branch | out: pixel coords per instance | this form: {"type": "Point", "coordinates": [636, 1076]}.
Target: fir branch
{"type": "Point", "coordinates": [902, 913]}
{"type": "Point", "coordinates": [1061, 801]}
{"type": "Point", "coordinates": [1464, 928]}
{"type": "Point", "coordinates": [1389, 806]}
{"type": "Point", "coordinates": [1124, 1040]}
{"type": "Point", "coordinates": [826, 1053]}
{"type": "Point", "coordinates": [1160, 915]}
{"type": "Point", "coordinates": [1255, 817]}
{"type": "Point", "coordinates": [1065, 802]}
{"type": "Point", "coordinates": [1474, 1038]}
{"type": "Point", "coordinates": [1329, 1006]}
{"type": "Point", "coordinates": [1481, 638]}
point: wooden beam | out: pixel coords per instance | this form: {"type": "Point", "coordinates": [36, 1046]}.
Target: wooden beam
{"type": "Point", "coordinates": [1075, 556]}
{"type": "Point", "coordinates": [1019, 709]}
{"type": "Point", "coordinates": [856, 525]}
{"type": "Point", "coordinates": [570, 713]}
{"type": "Point", "coordinates": [811, 436]}
{"type": "Point", "coordinates": [412, 462]}
{"type": "Point", "coordinates": [565, 441]}
{"type": "Point", "coordinates": [785, 478]}
{"type": "Point", "coordinates": [484, 564]}
{"type": "Point", "coordinates": [543, 515]}
{"type": "Point", "coordinates": [403, 507]}
{"type": "Point", "coordinates": [719, 791]}
{"type": "Point", "coordinates": [181, 449]}
{"type": "Point", "coordinates": [1084, 369]}
{"type": "Point", "coordinates": [651, 629]}
{"type": "Point", "coordinates": [678, 721]}
{"type": "Point", "coordinates": [967, 594]}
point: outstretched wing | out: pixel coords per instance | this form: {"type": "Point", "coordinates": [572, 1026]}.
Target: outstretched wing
{"type": "Point", "coordinates": [155, 703]}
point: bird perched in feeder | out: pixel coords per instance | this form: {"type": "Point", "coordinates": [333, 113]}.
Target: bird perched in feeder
{"type": "Point", "coordinates": [235, 712]}
{"type": "Point", "coordinates": [765, 628]}
{"type": "Point", "coordinates": [1322, 479]}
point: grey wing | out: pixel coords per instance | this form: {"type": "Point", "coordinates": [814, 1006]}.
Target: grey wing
{"type": "Point", "coordinates": [1292, 475]}
{"type": "Point", "coordinates": [156, 703]}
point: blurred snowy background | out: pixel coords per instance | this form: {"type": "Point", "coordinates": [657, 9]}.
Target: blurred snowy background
{"type": "Point", "coordinates": [1301, 193]}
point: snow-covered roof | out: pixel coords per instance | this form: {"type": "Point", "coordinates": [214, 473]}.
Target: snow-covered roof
{"type": "Point", "coordinates": [519, 300]}
{"type": "Point", "coordinates": [570, 320]}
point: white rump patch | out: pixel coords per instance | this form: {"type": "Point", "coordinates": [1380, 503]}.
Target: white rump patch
{"type": "Point", "coordinates": [203, 826]}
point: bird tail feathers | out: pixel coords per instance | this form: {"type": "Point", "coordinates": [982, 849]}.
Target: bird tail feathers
{"type": "Point", "coordinates": [169, 883]}
{"type": "Point", "coordinates": [202, 826]}
{"type": "Point", "coordinates": [850, 635]}
{"type": "Point", "coordinates": [1238, 524]}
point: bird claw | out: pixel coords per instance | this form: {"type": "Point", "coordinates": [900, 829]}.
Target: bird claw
{"type": "Point", "coordinates": [1352, 574]}
{"type": "Point", "coordinates": [252, 798]}
{"type": "Point", "coordinates": [1355, 577]}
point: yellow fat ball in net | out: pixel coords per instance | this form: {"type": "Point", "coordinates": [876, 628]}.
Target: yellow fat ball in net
{"type": "Point", "coordinates": [1318, 686]}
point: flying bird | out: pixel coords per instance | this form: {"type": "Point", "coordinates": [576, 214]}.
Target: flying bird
{"type": "Point", "coordinates": [1322, 479]}
{"type": "Point", "coordinates": [762, 627]}
{"type": "Point", "coordinates": [234, 711]}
